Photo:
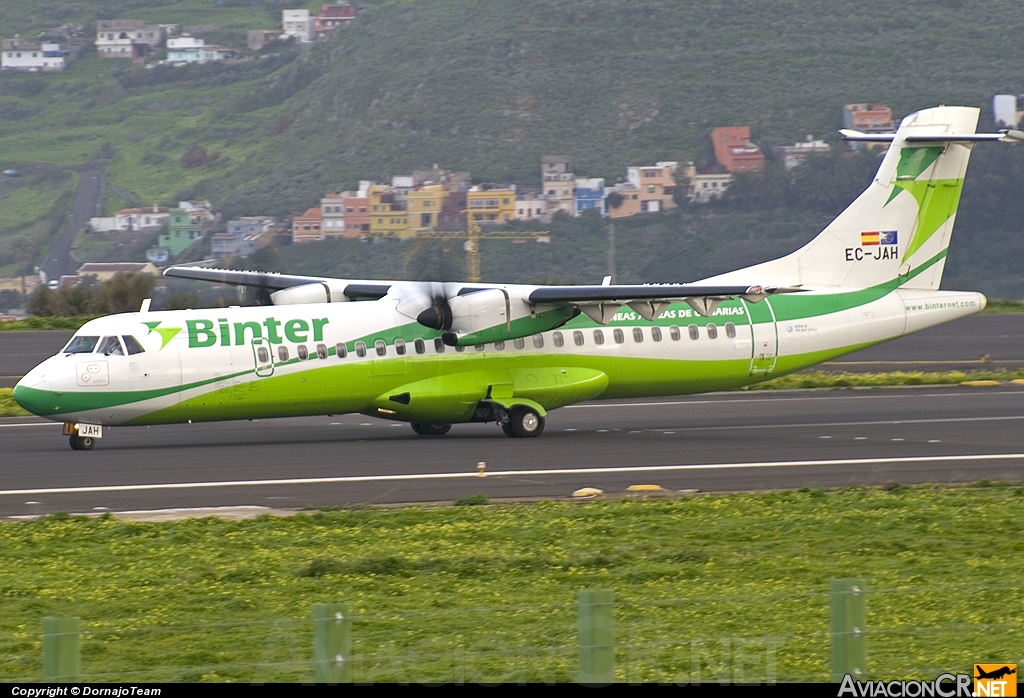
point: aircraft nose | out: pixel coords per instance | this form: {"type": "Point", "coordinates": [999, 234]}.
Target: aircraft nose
{"type": "Point", "coordinates": [33, 393]}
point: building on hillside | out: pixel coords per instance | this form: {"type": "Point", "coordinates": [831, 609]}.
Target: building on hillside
{"type": "Point", "coordinates": [558, 181]}
{"type": "Point", "coordinates": [869, 118]}
{"type": "Point", "coordinates": [734, 150]}
{"type": "Point", "coordinates": [147, 218]}
{"type": "Point", "coordinates": [308, 226]}
{"type": "Point", "coordinates": [450, 179]}
{"type": "Point", "coordinates": [704, 186]}
{"type": "Point", "coordinates": [187, 224]}
{"type": "Point", "coordinates": [258, 38]}
{"type": "Point", "coordinates": [357, 214]}
{"type": "Point", "coordinates": [424, 205]}
{"type": "Point", "coordinates": [655, 185]}
{"type": "Point", "coordinates": [189, 49]}
{"type": "Point", "coordinates": [623, 200]}
{"type": "Point", "coordinates": [792, 155]}
{"type": "Point", "coordinates": [128, 38]}
{"type": "Point", "coordinates": [491, 204]}
{"type": "Point", "coordinates": [19, 54]}
{"type": "Point", "coordinates": [532, 206]}
{"type": "Point", "coordinates": [387, 218]}
{"type": "Point", "coordinates": [297, 24]}
{"type": "Point", "coordinates": [1005, 110]}
{"type": "Point", "coordinates": [333, 16]}
{"type": "Point", "coordinates": [105, 271]}
{"type": "Point", "coordinates": [590, 195]}
{"type": "Point", "coordinates": [332, 209]}
{"type": "Point", "coordinates": [241, 238]}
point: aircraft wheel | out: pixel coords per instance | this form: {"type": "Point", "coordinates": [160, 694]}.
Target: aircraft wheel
{"type": "Point", "coordinates": [524, 422]}
{"type": "Point", "coordinates": [431, 429]}
{"type": "Point", "coordinates": [82, 443]}
{"type": "Point", "coordinates": [417, 427]}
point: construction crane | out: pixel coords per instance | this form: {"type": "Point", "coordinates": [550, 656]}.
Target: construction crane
{"type": "Point", "coordinates": [473, 235]}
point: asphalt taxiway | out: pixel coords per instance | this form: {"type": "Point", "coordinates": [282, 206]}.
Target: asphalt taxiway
{"type": "Point", "coordinates": [719, 442]}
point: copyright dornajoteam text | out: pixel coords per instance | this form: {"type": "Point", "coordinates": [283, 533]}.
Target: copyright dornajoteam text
{"type": "Point", "coordinates": [55, 691]}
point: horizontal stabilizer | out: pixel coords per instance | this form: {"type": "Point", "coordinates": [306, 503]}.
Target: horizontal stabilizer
{"type": "Point", "coordinates": [1007, 136]}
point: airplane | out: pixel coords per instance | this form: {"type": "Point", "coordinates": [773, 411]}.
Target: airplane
{"type": "Point", "coordinates": [438, 354]}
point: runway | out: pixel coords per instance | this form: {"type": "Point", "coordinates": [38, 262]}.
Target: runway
{"type": "Point", "coordinates": [720, 442]}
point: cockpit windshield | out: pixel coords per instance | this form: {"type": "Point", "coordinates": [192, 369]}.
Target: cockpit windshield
{"type": "Point", "coordinates": [110, 346]}
{"type": "Point", "coordinates": [81, 345]}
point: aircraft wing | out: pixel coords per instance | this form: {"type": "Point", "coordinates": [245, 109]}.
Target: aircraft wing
{"type": "Point", "coordinates": [278, 282]}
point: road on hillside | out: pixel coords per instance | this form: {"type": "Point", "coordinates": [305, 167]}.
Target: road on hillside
{"type": "Point", "coordinates": [720, 442]}
{"type": "Point", "coordinates": [88, 203]}
{"type": "Point", "coordinates": [958, 345]}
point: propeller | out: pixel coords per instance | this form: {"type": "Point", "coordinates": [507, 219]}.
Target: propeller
{"type": "Point", "coordinates": [428, 303]}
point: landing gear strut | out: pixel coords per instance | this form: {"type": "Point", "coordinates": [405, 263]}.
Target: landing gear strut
{"type": "Point", "coordinates": [523, 421]}
{"type": "Point", "coordinates": [430, 429]}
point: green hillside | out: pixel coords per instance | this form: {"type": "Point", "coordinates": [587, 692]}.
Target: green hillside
{"type": "Point", "coordinates": [491, 87]}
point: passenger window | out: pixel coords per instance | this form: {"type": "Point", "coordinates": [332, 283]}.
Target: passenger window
{"type": "Point", "coordinates": [262, 354]}
{"type": "Point", "coordinates": [419, 346]}
{"type": "Point", "coordinates": [712, 331]}
{"type": "Point", "coordinates": [538, 341]}
{"type": "Point", "coordinates": [598, 337]}
{"type": "Point", "coordinates": [519, 342]}
{"type": "Point", "coordinates": [638, 334]}
{"type": "Point", "coordinates": [556, 337]}
{"type": "Point", "coordinates": [303, 352]}
{"type": "Point", "coordinates": [341, 349]}
{"type": "Point", "coordinates": [694, 332]}
{"type": "Point", "coordinates": [619, 337]}
{"type": "Point", "coordinates": [674, 333]}
{"type": "Point", "coordinates": [498, 346]}
{"type": "Point", "coordinates": [381, 347]}
{"type": "Point", "coordinates": [577, 338]}
{"type": "Point", "coordinates": [400, 347]}
{"type": "Point", "coordinates": [110, 346]}
{"type": "Point", "coordinates": [479, 347]}
{"type": "Point", "coordinates": [321, 351]}
{"type": "Point", "coordinates": [282, 353]}
{"type": "Point", "coordinates": [730, 330]}
{"type": "Point", "coordinates": [439, 345]}
{"type": "Point", "coordinates": [360, 349]}
{"type": "Point", "coordinates": [81, 345]}
{"type": "Point", "coordinates": [132, 345]}
{"type": "Point", "coordinates": [656, 334]}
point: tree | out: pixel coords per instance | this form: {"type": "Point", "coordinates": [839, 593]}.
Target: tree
{"type": "Point", "coordinates": [123, 293]}
{"type": "Point", "coordinates": [614, 199]}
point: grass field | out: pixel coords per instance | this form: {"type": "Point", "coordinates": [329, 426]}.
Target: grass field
{"type": "Point", "coordinates": [707, 588]}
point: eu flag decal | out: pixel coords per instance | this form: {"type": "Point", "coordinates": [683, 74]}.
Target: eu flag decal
{"type": "Point", "coordinates": [887, 237]}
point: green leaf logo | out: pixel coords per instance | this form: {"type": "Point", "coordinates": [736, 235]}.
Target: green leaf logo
{"type": "Point", "coordinates": [166, 333]}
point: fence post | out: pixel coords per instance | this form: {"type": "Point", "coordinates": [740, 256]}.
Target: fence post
{"type": "Point", "coordinates": [597, 636]}
{"type": "Point", "coordinates": [332, 643]}
{"type": "Point", "coordinates": [849, 631]}
{"type": "Point", "coordinates": [60, 649]}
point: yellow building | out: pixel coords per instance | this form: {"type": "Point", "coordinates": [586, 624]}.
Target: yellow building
{"type": "Point", "coordinates": [424, 205]}
{"type": "Point", "coordinates": [489, 204]}
{"type": "Point", "coordinates": [386, 219]}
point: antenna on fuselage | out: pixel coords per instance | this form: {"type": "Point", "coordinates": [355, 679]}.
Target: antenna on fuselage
{"type": "Point", "coordinates": [145, 305]}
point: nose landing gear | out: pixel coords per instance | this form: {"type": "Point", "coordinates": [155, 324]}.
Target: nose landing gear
{"type": "Point", "coordinates": [81, 443]}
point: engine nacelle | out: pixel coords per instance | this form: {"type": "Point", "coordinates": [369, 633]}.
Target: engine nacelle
{"type": "Point", "coordinates": [493, 315]}
{"type": "Point", "coordinates": [321, 292]}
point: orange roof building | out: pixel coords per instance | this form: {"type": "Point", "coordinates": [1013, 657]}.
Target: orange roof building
{"type": "Point", "coordinates": [734, 151]}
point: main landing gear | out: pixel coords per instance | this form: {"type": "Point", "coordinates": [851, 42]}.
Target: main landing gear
{"type": "Point", "coordinates": [523, 421]}
{"type": "Point", "coordinates": [81, 443]}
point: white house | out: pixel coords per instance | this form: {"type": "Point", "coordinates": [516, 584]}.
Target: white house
{"type": "Point", "coordinates": [189, 49]}
{"type": "Point", "coordinates": [18, 54]}
{"type": "Point", "coordinates": [128, 38]}
{"type": "Point", "coordinates": [793, 155]}
{"type": "Point", "coordinates": [298, 24]}
{"type": "Point", "coordinates": [149, 217]}
{"type": "Point", "coordinates": [531, 206]}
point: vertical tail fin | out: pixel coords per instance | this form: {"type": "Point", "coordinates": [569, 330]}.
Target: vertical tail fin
{"type": "Point", "coordinates": [900, 226]}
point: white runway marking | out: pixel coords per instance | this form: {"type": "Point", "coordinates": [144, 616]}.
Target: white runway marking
{"type": "Point", "coordinates": [769, 397]}
{"type": "Point", "coordinates": [519, 473]}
